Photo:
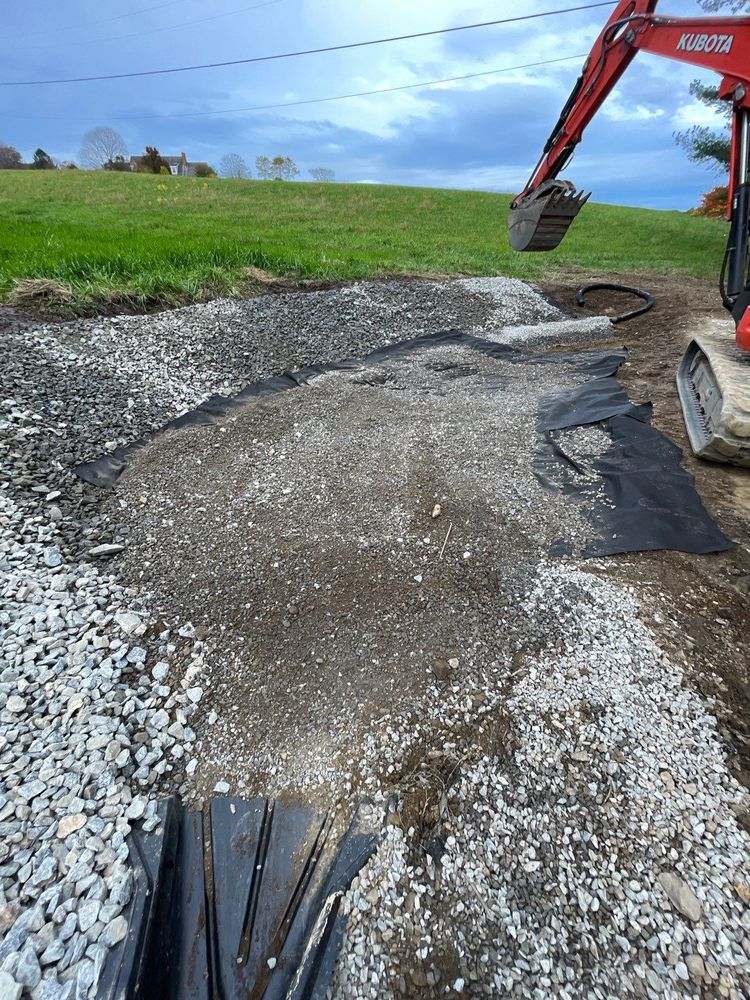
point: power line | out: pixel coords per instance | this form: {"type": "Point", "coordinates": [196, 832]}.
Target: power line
{"type": "Point", "coordinates": [362, 93]}
{"type": "Point", "coordinates": [181, 24]}
{"type": "Point", "coordinates": [311, 100]}
{"type": "Point", "coordinates": [106, 20]}
{"type": "Point", "coordinates": [307, 52]}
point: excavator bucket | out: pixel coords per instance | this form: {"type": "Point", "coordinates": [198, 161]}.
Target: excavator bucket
{"type": "Point", "coordinates": [541, 219]}
{"type": "Point", "coordinates": [713, 381]}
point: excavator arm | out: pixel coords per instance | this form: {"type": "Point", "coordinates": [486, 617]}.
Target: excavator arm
{"type": "Point", "coordinates": [714, 375]}
{"type": "Point", "coordinates": [541, 214]}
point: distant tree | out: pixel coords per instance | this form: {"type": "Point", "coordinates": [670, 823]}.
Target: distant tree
{"type": "Point", "coordinates": [100, 146]}
{"type": "Point", "coordinates": [233, 166]}
{"type": "Point", "coordinates": [733, 5]}
{"type": "Point", "coordinates": [264, 168]}
{"type": "Point", "coordinates": [323, 174]}
{"type": "Point", "coordinates": [204, 170]}
{"type": "Point", "coordinates": [118, 163]}
{"type": "Point", "coordinates": [713, 203]}
{"type": "Point", "coordinates": [280, 168]}
{"type": "Point", "coordinates": [67, 165]}
{"type": "Point", "coordinates": [152, 162]}
{"type": "Point", "coordinates": [10, 158]}
{"type": "Point", "coordinates": [284, 168]}
{"type": "Point", "coordinates": [702, 143]}
{"type": "Point", "coordinates": [42, 161]}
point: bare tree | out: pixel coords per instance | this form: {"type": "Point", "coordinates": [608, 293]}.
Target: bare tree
{"type": "Point", "coordinates": [323, 174]}
{"type": "Point", "coordinates": [280, 168]}
{"type": "Point", "coordinates": [233, 166]}
{"type": "Point", "coordinates": [283, 168]}
{"type": "Point", "coordinates": [734, 5]}
{"type": "Point", "coordinates": [10, 158]}
{"type": "Point", "coordinates": [100, 146]}
{"type": "Point", "coordinates": [263, 166]}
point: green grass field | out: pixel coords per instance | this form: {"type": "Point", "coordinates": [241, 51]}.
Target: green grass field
{"type": "Point", "coordinates": [141, 240]}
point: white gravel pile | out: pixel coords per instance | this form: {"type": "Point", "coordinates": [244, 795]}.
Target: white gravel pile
{"type": "Point", "coordinates": [91, 717]}
{"type": "Point", "coordinates": [513, 323]}
{"type": "Point", "coordinates": [596, 854]}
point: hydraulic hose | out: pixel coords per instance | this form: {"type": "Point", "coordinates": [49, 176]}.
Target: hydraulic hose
{"type": "Point", "coordinates": [648, 300]}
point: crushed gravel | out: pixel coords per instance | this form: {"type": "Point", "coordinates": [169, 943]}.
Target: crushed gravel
{"type": "Point", "coordinates": [595, 853]}
{"type": "Point", "coordinates": [307, 518]}
{"type": "Point", "coordinates": [566, 824]}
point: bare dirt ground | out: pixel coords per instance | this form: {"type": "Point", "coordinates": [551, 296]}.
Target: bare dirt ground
{"type": "Point", "coordinates": [711, 594]}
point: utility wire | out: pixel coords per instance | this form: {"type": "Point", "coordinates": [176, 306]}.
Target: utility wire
{"type": "Point", "coordinates": [104, 20]}
{"type": "Point", "coordinates": [307, 52]}
{"type": "Point", "coordinates": [311, 100]}
{"type": "Point", "coordinates": [171, 27]}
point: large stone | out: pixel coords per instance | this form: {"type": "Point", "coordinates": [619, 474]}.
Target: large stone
{"type": "Point", "coordinates": [114, 932]}
{"type": "Point", "coordinates": [69, 926]}
{"type": "Point", "coordinates": [130, 623]}
{"type": "Point", "coordinates": [70, 824]}
{"type": "Point", "coordinates": [52, 989]}
{"type": "Point", "coordinates": [84, 979]}
{"type": "Point", "coordinates": [106, 550]}
{"type": "Point", "coordinates": [53, 952]}
{"type": "Point", "coordinates": [160, 719]}
{"type": "Point", "coordinates": [52, 557]}
{"type": "Point", "coordinates": [9, 988]}
{"type": "Point", "coordinates": [45, 871]}
{"type": "Point", "coordinates": [681, 895]}
{"type": "Point", "coordinates": [28, 971]}
{"type": "Point", "coordinates": [695, 967]}
{"type": "Point", "coordinates": [88, 913]}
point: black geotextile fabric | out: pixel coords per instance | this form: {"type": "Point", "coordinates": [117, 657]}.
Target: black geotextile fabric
{"type": "Point", "coordinates": [243, 907]}
{"type": "Point", "coordinates": [649, 501]}
{"type": "Point", "coordinates": [641, 498]}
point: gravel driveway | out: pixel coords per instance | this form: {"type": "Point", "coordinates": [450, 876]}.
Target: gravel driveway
{"type": "Point", "coordinates": [275, 603]}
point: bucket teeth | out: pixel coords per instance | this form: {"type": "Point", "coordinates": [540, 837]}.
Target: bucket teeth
{"type": "Point", "coordinates": [713, 381]}
{"type": "Point", "coordinates": [539, 221]}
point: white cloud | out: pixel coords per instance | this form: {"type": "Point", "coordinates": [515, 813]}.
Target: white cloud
{"type": "Point", "coordinates": [617, 111]}
{"type": "Point", "coordinates": [697, 113]}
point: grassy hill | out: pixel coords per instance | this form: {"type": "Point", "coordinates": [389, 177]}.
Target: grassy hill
{"type": "Point", "coordinates": [143, 240]}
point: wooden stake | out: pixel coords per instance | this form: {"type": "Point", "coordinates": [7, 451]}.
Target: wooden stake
{"type": "Point", "coordinates": [450, 528]}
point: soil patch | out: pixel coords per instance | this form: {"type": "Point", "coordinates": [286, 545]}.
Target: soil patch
{"type": "Point", "coordinates": [709, 596]}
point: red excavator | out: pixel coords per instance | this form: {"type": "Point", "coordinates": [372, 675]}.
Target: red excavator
{"type": "Point", "coordinates": [714, 376]}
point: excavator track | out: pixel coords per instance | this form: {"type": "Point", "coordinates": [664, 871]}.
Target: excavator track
{"type": "Point", "coordinates": [713, 381]}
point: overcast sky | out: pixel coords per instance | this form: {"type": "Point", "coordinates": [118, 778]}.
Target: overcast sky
{"type": "Point", "coordinates": [484, 133]}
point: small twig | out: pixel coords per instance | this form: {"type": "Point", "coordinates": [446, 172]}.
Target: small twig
{"type": "Point", "coordinates": [448, 535]}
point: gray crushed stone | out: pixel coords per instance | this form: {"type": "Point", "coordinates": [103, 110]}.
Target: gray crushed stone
{"type": "Point", "coordinates": [596, 853]}
{"type": "Point", "coordinates": [276, 512]}
{"type": "Point", "coordinates": [566, 820]}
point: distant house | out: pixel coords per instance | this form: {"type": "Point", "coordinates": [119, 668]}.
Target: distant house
{"type": "Point", "coordinates": [178, 165]}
